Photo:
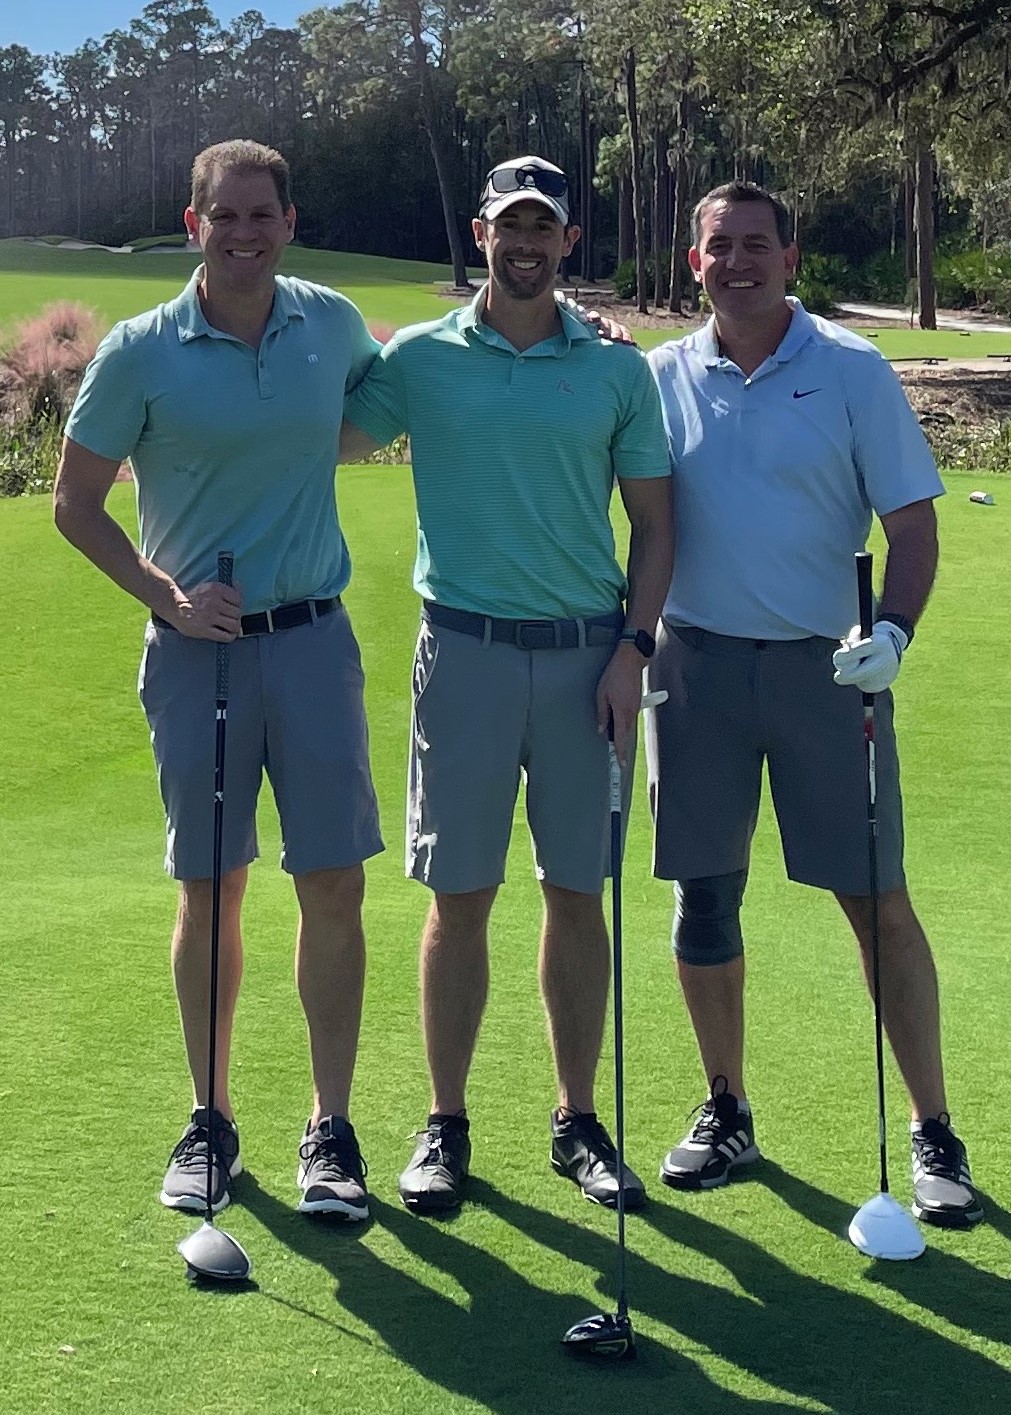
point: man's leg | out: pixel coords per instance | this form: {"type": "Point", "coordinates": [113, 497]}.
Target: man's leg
{"type": "Point", "coordinates": [191, 972]}
{"type": "Point", "coordinates": [909, 998]}
{"type": "Point", "coordinates": [454, 990]}
{"type": "Point", "coordinates": [330, 973]}
{"type": "Point", "coordinates": [575, 972]}
{"type": "Point", "coordinates": [715, 1000]}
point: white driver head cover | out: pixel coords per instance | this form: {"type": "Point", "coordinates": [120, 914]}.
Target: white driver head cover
{"type": "Point", "coordinates": [882, 1228]}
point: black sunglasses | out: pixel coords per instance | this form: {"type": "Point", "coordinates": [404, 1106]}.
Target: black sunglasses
{"type": "Point", "coordinates": [514, 179]}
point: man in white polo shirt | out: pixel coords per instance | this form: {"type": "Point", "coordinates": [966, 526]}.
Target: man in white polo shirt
{"type": "Point", "coordinates": [786, 433]}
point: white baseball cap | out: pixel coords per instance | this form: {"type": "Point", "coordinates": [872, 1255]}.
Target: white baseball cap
{"type": "Point", "coordinates": [525, 179]}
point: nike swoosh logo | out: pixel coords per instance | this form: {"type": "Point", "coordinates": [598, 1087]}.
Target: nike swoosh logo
{"type": "Point", "coordinates": [807, 394]}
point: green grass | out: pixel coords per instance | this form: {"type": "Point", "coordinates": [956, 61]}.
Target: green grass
{"type": "Point", "coordinates": [118, 286]}
{"type": "Point", "coordinates": [748, 1300]}
{"type": "Point", "coordinates": [393, 292]}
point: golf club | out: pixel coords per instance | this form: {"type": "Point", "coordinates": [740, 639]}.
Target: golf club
{"type": "Point", "coordinates": [881, 1228]}
{"type": "Point", "coordinates": [604, 1334]}
{"type": "Point", "coordinates": [210, 1253]}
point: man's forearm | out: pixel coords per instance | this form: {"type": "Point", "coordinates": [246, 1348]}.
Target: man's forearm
{"type": "Point", "coordinates": [93, 532]}
{"type": "Point", "coordinates": [650, 564]}
{"type": "Point", "coordinates": [911, 564]}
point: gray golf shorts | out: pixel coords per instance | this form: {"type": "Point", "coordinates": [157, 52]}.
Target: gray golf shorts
{"type": "Point", "coordinates": [295, 711]}
{"type": "Point", "coordinates": [484, 717]}
{"type": "Point", "coordinates": [736, 703]}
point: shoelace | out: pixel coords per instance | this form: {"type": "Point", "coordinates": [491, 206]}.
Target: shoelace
{"type": "Point", "coordinates": [433, 1136]}
{"type": "Point", "coordinates": [337, 1156]}
{"type": "Point", "coordinates": [940, 1151]}
{"type": "Point", "coordinates": [191, 1151]}
{"type": "Point", "coordinates": [599, 1145]}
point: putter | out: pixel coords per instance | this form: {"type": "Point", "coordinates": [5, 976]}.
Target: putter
{"type": "Point", "coordinates": [881, 1228]}
{"type": "Point", "coordinates": [604, 1334]}
{"type": "Point", "coordinates": [210, 1253]}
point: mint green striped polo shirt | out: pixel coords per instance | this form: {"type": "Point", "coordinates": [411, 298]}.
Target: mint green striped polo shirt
{"type": "Point", "coordinates": [514, 458]}
{"type": "Point", "coordinates": [232, 448]}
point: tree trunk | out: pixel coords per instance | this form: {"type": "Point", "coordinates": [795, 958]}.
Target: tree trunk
{"type": "Point", "coordinates": [633, 128]}
{"type": "Point", "coordinates": [924, 221]}
{"type": "Point", "coordinates": [626, 234]}
{"type": "Point", "coordinates": [659, 208]}
{"type": "Point", "coordinates": [678, 226]}
{"type": "Point", "coordinates": [429, 118]}
{"type": "Point", "coordinates": [909, 218]}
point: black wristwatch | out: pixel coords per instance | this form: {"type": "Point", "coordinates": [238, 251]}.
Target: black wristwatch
{"type": "Point", "coordinates": [645, 643]}
{"type": "Point", "coordinates": [901, 622]}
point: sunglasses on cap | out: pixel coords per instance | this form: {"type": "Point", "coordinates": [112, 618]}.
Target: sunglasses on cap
{"type": "Point", "coordinates": [515, 179]}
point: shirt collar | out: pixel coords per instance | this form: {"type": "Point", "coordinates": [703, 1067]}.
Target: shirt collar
{"type": "Point", "coordinates": [191, 322]}
{"type": "Point", "coordinates": [573, 328]}
{"type": "Point", "coordinates": [799, 331]}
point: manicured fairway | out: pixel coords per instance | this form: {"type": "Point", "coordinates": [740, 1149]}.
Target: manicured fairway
{"type": "Point", "coordinates": [748, 1300]}
{"type": "Point", "coordinates": [395, 292]}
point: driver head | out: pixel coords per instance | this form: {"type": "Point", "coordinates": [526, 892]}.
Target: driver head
{"type": "Point", "coordinates": [602, 1335]}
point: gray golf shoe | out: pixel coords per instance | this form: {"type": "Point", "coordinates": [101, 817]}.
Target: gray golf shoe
{"type": "Point", "coordinates": [433, 1181]}
{"type": "Point", "coordinates": [942, 1183]}
{"type": "Point", "coordinates": [331, 1171]}
{"type": "Point", "coordinates": [582, 1151]}
{"type": "Point", "coordinates": [185, 1183]}
{"type": "Point", "coordinates": [722, 1138]}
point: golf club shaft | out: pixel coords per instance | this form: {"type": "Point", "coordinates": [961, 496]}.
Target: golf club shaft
{"type": "Point", "coordinates": [225, 566]}
{"type": "Point", "coordinates": [614, 778]}
{"type": "Point", "coordinates": [865, 564]}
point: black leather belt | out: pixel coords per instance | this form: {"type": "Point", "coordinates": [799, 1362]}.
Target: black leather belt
{"type": "Point", "coordinates": [594, 631]}
{"type": "Point", "coordinates": [272, 621]}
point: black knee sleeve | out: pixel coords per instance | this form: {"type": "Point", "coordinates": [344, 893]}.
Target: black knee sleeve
{"type": "Point", "coordinates": [707, 919]}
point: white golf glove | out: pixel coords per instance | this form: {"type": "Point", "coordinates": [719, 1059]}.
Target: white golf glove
{"type": "Point", "coordinates": [871, 665]}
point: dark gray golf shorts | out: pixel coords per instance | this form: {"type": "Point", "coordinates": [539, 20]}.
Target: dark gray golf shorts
{"type": "Point", "coordinates": [736, 703]}
{"type": "Point", "coordinates": [485, 716]}
{"type": "Point", "coordinates": [295, 710]}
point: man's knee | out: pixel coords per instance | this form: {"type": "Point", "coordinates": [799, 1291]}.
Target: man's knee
{"type": "Point", "coordinates": [331, 893]}
{"type": "Point", "coordinates": [707, 919]}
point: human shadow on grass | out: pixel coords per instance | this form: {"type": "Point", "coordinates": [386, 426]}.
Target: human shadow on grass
{"type": "Point", "coordinates": [948, 1284]}
{"type": "Point", "coordinates": [790, 1330]}
{"type": "Point", "coordinates": [502, 1346]}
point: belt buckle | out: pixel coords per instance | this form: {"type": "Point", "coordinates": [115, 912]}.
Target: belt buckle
{"type": "Point", "coordinates": [542, 635]}
{"type": "Point", "coordinates": [269, 616]}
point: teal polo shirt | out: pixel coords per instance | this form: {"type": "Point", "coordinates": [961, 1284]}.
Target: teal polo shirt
{"type": "Point", "coordinates": [232, 448]}
{"type": "Point", "coordinates": [514, 457]}
{"type": "Point", "coordinates": [777, 474]}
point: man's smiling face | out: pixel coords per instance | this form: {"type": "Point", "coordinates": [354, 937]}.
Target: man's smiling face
{"type": "Point", "coordinates": [243, 230]}
{"type": "Point", "coordinates": [524, 247]}
{"type": "Point", "coordinates": [739, 260]}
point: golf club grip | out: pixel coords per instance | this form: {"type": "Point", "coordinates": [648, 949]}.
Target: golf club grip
{"type": "Point", "coordinates": [226, 566]}
{"type": "Point", "coordinates": [865, 592]}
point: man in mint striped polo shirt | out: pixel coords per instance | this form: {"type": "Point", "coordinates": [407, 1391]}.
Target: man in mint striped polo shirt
{"type": "Point", "coordinates": [532, 636]}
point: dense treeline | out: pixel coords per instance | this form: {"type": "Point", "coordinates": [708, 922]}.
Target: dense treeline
{"type": "Point", "coordinates": [880, 120]}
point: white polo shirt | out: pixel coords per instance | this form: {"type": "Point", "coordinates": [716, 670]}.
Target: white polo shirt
{"type": "Point", "coordinates": [776, 477]}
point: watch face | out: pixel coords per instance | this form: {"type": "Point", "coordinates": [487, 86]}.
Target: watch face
{"type": "Point", "coordinates": [645, 643]}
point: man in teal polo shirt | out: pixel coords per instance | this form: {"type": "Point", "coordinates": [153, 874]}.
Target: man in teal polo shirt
{"type": "Point", "coordinates": [227, 401]}
{"type": "Point", "coordinates": [520, 421]}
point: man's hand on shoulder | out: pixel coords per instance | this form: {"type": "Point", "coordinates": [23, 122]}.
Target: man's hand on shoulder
{"type": "Point", "coordinates": [208, 611]}
{"type": "Point", "coordinates": [606, 328]}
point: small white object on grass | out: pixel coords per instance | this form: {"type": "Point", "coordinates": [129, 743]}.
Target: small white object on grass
{"type": "Point", "coordinates": [882, 1228]}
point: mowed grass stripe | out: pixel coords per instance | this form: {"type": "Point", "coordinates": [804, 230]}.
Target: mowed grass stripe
{"type": "Point", "coordinates": [745, 1298]}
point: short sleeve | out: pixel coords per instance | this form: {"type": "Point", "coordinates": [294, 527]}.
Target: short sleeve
{"type": "Point", "coordinates": [110, 410]}
{"type": "Point", "coordinates": [378, 405]}
{"type": "Point", "coordinates": [364, 346]}
{"type": "Point", "coordinates": [639, 446]}
{"type": "Point", "coordinates": [889, 448]}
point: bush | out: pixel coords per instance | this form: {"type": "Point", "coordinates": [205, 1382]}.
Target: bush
{"type": "Point", "coordinates": [823, 281]}
{"type": "Point", "coordinates": [29, 456]}
{"type": "Point", "coordinates": [882, 278]}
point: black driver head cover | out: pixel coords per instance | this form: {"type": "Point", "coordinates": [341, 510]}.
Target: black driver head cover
{"type": "Point", "coordinates": [602, 1335]}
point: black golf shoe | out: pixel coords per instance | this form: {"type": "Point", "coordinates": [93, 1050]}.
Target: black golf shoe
{"type": "Point", "coordinates": [942, 1184]}
{"type": "Point", "coordinates": [331, 1171]}
{"type": "Point", "coordinates": [185, 1183]}
{"type": "Point", "coordinates": [433, 1181]}
{"type": "Point", "coordinates": [722, 1138]}
{"type": "Point", "coordinates": [582, 1151]}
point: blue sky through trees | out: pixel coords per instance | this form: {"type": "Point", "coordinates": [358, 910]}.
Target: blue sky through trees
{"type": "Point", "coordinates": [60, 26]}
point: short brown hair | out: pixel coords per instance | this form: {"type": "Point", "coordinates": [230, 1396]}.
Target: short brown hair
{"type": "Point", "coordinates": [732, 192]}
{"type": "Point", "coordinates": [238, 155]}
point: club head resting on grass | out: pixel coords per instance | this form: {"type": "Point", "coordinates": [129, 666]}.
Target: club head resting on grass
{"type": "Point", "coordinates": [882, 1228]}
{"type": "Point", "coordinates": [214, 1255]}
{"type": "Point", "coordinates": [602, 1335]}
